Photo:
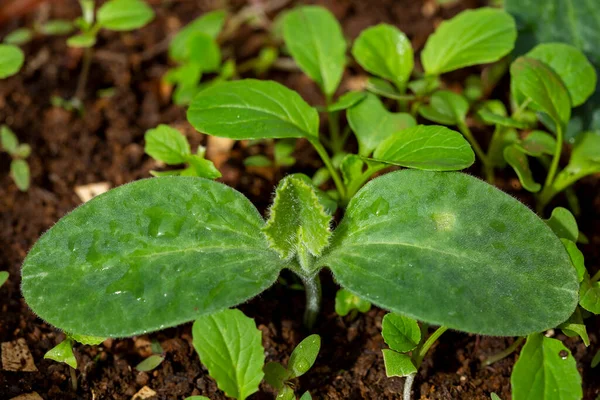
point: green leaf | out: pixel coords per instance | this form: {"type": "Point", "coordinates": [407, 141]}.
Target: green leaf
{"type": "Point", "coordinates": [445, 107]}
{"type": "Point", "coordinates": [545, 370]}
{"type": "Point", "coordinates": [372, 123]}
{"type": "Point", "coordinates": [11, 60]}
{"type": "Point", "coordinates": [490, 118]}
{"type": "Point", "coordinates": [383, 88]}
{"type": "Point", "coordinates": [304, 356]}
{"type": "Point", "coordinates": [150, 363]}
{"type": "Point", "coordinates": [56, 27]}
{"type": "Point", "coordinates": [425, 86]}
{"type": "Point", "coordinates": [276, 375]}
{"type": "Point", "coordinates": [204, 52]}
{"type": "Point", "coordinates": [19, 36]}
{"type": "Point", "coordinates": [573, 67]}
{"type": "Point", "coordinates": [230, 346]}
{"type": "Point", "coordinates": [480, 36]}
{"type": "Point", "coordinates": [585, 156]}
{"type": "Point", "coordinates": [23, 151]}
{"type": "Point", "coordinates": [537, 143]}
{"type": "Point", "coordinates": [84, 40]}
{"type": "Point", "coordinates": [186, 74]}
{"type": "Point", "coordinates": [87, 340]}
{"type": "Point", "coordinates": [257, 161]}
{"type": "Point", "coordinates": [430, 254]}
{"type": "Point", "coordinates": [306, 396]}
{"type": "Point", "coordinates": [124, 15]}
{"type": "Point", "coordinates": [3, 277]}
{"type": "Point", "coordinates": [346, 101]}
{"type": "Point", "coordinates": [426, 147]}
{"type": "Point", "coordinates": [19, 171]}
{"type": "Point", "coordinates": [517, 159]}
{"type": "Point", "coordinates": [8, 140]}
{"type": "Point", "coordinates": [210, 24]}
{"type": "Point", "coordinates": [535, 80]}
{"type": "Point", "coordinates": [576, 258]}
{"type": "Point", "coordinates": [63, 352]}
{"type": "Point", "coordinates": [385, 51]}
{"type": "Point", "coordinates": [397, 364]}
{"type": "Point", "coordinates": [114, 253]}
{"type": "Point", "coordinates": [202, 167]}
{"type": "Point", "coordinates": [589, 295]}
{"type": "Point", "coordinates": [346, 301]}
{"type": "Point", "coordinates": [401, 333]}
{"type": "Point", "coordinates": [287, 393]}
{"type": "Point", "coordinates": [596, 359]}
{"type": "Point", "coordinates": [166, 144]}
{"type": "Point", "coordinates": [298, 223]}
{"type": "Point", "coordinates": [315, 40]}
{"type": "Point", "coordinates": [563, 224]}
{"type": "Point", "coordinates": [575, 326]}
{"type": "Point", "coordinates": [253, 109]}
{"type": "Point", "coordinates": [494, 396]}
{"type": "Point", "coordinates": [282, 152]}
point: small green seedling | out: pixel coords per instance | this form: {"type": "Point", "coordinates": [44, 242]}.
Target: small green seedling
{"type": "Point", "coordinates": [19, 169]}
{"type": "Point", "coordinates": [301, 360]}
{"type": "Point", "coordinates": [348, 303]}
{"type": "Point", "coordinates": [282, 156]}
{"type": "Point", "coordinates": [54, 27]}
{"type": "Point", "coordinates": [3, 277]}
{"type": "Point", "coordinates": [154, 360]}
{"type": "Point", "coordinates": [170, 146]}
{"type": "Point", "coordinates": [11, 60]}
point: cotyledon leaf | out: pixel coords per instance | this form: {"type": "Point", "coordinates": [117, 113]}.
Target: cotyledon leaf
{"type": "Point", "coordinates": [449, 249]}
{"type": "Point", "coordinates": [148, 255]}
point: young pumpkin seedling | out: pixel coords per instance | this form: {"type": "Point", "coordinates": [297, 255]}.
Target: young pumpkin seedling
{"type": "Point", "coordinates": [348, 303]}
{"type": "Point", "coordinates": [19, 169]}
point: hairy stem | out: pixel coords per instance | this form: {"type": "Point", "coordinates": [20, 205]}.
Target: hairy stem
{"type": "Point", "coordinates": [408, 383]}
{"type": "Point", "coordinates": [504, 353]}
{"type": "Point", "coordinates": [312, 285]}
{"type": "Point", "coordinates": [488, 168]}
{"type": "Point", "coordinates": [83, 75]}
{"type": "Point", "coordinates": [339, 184]}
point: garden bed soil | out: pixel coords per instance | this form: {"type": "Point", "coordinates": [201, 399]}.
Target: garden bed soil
{"type": "Point", "coordinates": [106, 145]}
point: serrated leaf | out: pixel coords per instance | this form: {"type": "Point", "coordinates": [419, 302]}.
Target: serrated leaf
{"type": "Point", "coordinates": [410, 247]}
{"type": "Point", "coordinates": [57, 27]}
{"type": "Point", "coordinates": [19, 171]}
{"type": "Point", "coordinates": [298, 224]}
{"type": "Point", "coordinates": [563, 224]}
{"type": "Point", "coordinates": [494, 119]}
{"type": "Point", "coordinates": [253, 109]}
{"type": "Point", "coordinates": [397, 364]}
{"type": "Point", "coordinates": [401, 333]}
{"type": "Point", "coordinates": [532, 79]}
{"type": "Point", "coordinates": [445, 107]}
{"type": "Point", "coordinates": [576, 258]}
{"type": "Point", "coordinates": [372, 123]}
{"type": "Point", "coordinates": [589, 294]}
{"type": "Point", "coordinates": [150, 363]}
{"type": "Point", "coordinates": [346, 301]}
{"type": "Point", "coordinates": [3, 277]}
{"type": "Point", "coordinates": [575, 326]}
{"type": "Point", "coordinates": [473, 37]}
{"type": "Point", "coordinates": [304, 356]}
{"type": "Point", "coordinates": [19, 36]}
{"type": "Point", "coordinates": [517, 159]}
{"type": "Point", "coordinates": [545, 370]}
{"type": "Point", "coordinates": [210, 24]}
{"type": "Point", "coordinates": [8, 140]}
{"type": "Point", "coordinates": [537, 143]}
{"type": "Point", "coordinates": [426, 147]}
{"type": "Point", "coordinates": [346, 101]}
{"type": "Point", "coordinates": [124, 15]}
{"type": "Point", "coordinates": [11, 60]}
{"type": "Point", "coordinates": [63, 352]}
{"type": "Point", "coordinates": [166, 144]}
{"type": "Point", "coordinates": [320, 51]}
{"type": "Point", "coordinates": [114, 252]}
{"type": "Point", "coordinates": [230, 346]}
{"type": "Point", "coordinates": [573, 67]}
{"type": "Point", "coordinates": [385, 51]}
{"type": "Point", "coordinates": [275, 375]}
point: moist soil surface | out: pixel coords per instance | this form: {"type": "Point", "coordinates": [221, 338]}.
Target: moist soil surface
{"type": "Point", "coordinates": [106, 144]}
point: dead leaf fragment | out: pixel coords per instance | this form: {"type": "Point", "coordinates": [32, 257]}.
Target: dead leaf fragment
{"type": "Point", "coordinates": [17, 357]}
{"type": "Point", "coordinates": [217, 149]}
{"type": "Point", "coordinates": [28, 396]}
{"type": "Point", "coordinates": [144, 393]}
{"type": "Point", "coordinates": [87, 192]}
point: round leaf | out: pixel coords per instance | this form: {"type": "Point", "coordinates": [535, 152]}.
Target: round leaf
{"type": "Point", "coordinates": [449, 249]}
{"type": "Point", "coordinates": [167, 144]}
{"type": "Point", "coordinates": [401, 333]}
{"type": "Point", "coordinates": [11, 60]}
{"type": "Point", "coordinates": [148, 255]}
{"type": "Point", "coordinates": [124, 15]}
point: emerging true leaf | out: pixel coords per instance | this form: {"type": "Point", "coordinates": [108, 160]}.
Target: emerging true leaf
{"type": "Point", "coordinates": [397, 364]}
{"type": "Point", "coordinates": [230, 346]}
{"type": "Point", "coordinates": [114, 253]}
{"type": "Point", "coordinates": [11, 60]}
{"type": "Point", "coordinates": [253, 109]}
{"type": "Point", "coordinates": [445, 107]}
{"type": "Point", "coordinates": [473, 37]}
{"type": "Point", "coordinates": [167, 145]}
{"type": "Point", "coordinates": [346, 301]}
{"type": "Point", "coordinates": [517, 159]}
{"type": "Point", "coordinates": [124, 15]}
{"type": "Point", "coordinates": [417, 243]}
{"type": "Point", "coordinates": [401, 333]}
{"type": "Point", "coordinates": [304, 356]}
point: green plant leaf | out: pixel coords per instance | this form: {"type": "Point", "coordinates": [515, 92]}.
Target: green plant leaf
{"type": "Point", "coordinates": [491, 118]}
{"type": "Point", "coordinates": [320, 50]}
{"type": "Point", "coordinates": [187, 74]}
{"type": "Point", "coordinates": [397, 364]}
{"type": "Point", "coordinates": [166, 144]}
{"type": "Point", "coordinates": [346, 101]}
{"type": "Point", "coordinates": [87, 340]}
{"type": "Point", "coordinates": [401, 333]}
{"type": "Point", "coordinates": [124, 15]}
{"type": "Point", "coordinates": [596, 359]}
{"type": "Point", "coordinates": [382, 88]}
{"type": "Point", "coordinates": [372, 123]}
{"type": "Point", "coordinates": [56, 27]}
{"type": "Point", "coordinates": [426, 147]}
{"type": "Point", "coordinates": [589, 294]}
{"type": "Point", "coordinates": [385, 51]}
{"type": "Point", "coordinates": [11, 60]}
{"type": "Point", "coordinates": [19, 36]}
{"type": "Point", "coordinates": [430, 254]}
{"type": "Point", "coordinates": [532, 79]}
{"type": "Point", "coordinates": [84, 40]}
{"type": "Point", "coordinates": [575, 326]}
{"type": "Point", "coordinates": [150, 363]}
{"type": "Point", "coordinates": [253, 109]}
{"type": "Point", "coordinates": [23, 151]}
{"type": "Point", "coordinates": [517, 159]}
{"type": "Point", "coordinates": [258, 161]}
{"type": "Point", "coordinates": [494, 396]}
{"type": "Point", "coordinates": [480, 36]}
{"type": "Point", "coordinates": [445, 107]}
{"type": "Point", "coordinates": [63, 352]}
{"type": "Point", "coordinates": [282, 152]}
{"type": "Point", "coordinates": [576, 258]}
{"type": "Point", "coordinates": [573, 67]}
{"type": "Point", "coordinates": [3, 277]}
{"type": "Point", "coordinates": [304, 356]}
{"type": "Point", "coordinates": [306, 396]}
{"type": "Point", "coordinates": [276, 375]}
{"type": "Point", "coordinates": [210, 24]}
{"type": "Point", "coordinates": [202, 167]}
{"type": "Point", "coordinates": [287, 393]}
{"type": "Point", "coordinates": [230, 346]}
{"type": "Point", "coordinates": [298, 223]}
{"type": "Point", "coordinates": [585, 157]}
{"type": "Point", "coordinates": [563, 224]}
{"type": "Point", "coordinates": [204, 52]}
{"type": "Point", "coordinates": [545, 370]}
{"type": "Point", "coordinates": [537, 143]}
{"type": "Point", "coordinates": [346, 301]}
{"type": "Point", "coordinates": [8, 140]}
{"type": "Point", "coordinates": [114, 253]}
{"type": "Point", "coordinates": [19, 171]}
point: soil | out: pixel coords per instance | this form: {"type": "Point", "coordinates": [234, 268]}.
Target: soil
{"type": "Point", "coordinates": [106, 144]}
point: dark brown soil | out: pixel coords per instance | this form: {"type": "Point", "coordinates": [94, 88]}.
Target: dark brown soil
{"type": "Point", "coordinates": [106, 144]}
